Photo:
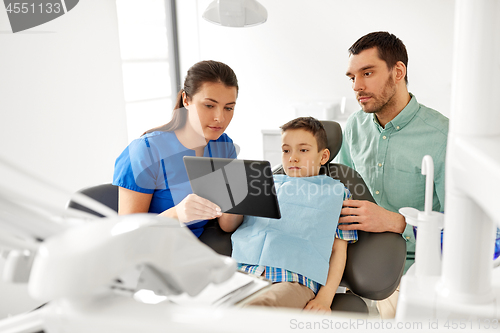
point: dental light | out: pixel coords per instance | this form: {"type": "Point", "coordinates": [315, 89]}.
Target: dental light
{"type": "Point", "coordinates": [235, 13]}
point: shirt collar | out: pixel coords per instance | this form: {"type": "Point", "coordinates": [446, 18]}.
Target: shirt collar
{"type": "Point", "coordinates": [403, 117]}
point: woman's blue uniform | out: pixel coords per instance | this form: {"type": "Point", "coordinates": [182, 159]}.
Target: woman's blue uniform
{"type": "Point", "coordinates": [153, 164]}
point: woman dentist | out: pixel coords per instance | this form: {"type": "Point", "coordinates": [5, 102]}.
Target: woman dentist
{"type": "Point", "coordinates": [150, 172]}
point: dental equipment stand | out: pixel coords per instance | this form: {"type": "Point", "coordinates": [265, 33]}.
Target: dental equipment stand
{"type": "Point", "coordinates": [465, 285]}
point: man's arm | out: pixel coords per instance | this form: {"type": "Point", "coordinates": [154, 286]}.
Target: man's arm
{"type": "Point", "coordinates": [324, 298]}
{"type": "Point", "coordinates": [370, 217]}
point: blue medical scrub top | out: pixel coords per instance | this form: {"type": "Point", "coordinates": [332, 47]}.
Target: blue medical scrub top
{"type": "Point", "coordinates": [154, 164]}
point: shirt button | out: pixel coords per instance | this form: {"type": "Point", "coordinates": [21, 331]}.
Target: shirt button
{"type": "Point", "coordinates": [380, 164]}
{"type": "Point", "coordinates": [377, 192]}
{"type": "Point", "coordinates": [384, 137]}
{"type": "Point", "coordinates": [397, 127]}
{"type": "Point", "coordinates": [407, 237]}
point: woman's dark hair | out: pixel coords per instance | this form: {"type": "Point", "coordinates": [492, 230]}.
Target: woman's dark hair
{"type": "Point", "coordinates": [199, 73]}
{"type": "Point", "coordinates": [390, 48]}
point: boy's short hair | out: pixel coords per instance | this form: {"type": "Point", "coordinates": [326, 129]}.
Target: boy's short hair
{"type": "Point", "coordinates": [390, 48]}
{"type": "Point", "coordinates": [310, 124]}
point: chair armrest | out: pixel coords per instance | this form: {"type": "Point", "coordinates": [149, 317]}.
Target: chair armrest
{"type": "Point", "coordinates": [349, 303]}
{"type": "Point", "coordinates": [216, 238]}
{"type": "Point", "coordinates": [375, 264]}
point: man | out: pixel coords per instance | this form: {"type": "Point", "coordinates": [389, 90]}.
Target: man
{"type": "Point", "coordinates": [386, 141]}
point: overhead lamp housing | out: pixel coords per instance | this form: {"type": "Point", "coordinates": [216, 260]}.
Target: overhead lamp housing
{"type": "Point", "coordinates": [235, 13]}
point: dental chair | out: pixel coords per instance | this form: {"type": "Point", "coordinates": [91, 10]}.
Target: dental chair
{"type": "Point", "coordinates": [375, 263]}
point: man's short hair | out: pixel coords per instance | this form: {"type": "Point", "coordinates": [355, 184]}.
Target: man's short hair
{"type": "Point", "coordinates": [390, 48]}
{"type": "Point", "coordinates": [310, 124]}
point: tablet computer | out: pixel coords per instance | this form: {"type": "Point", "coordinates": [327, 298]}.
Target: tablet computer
{"type": "Point", "coordinates": [237, 186]}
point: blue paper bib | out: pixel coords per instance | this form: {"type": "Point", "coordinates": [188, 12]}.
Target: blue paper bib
{"type": "Point", "coordinates": [301, 241]}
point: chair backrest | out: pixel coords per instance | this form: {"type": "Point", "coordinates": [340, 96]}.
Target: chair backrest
{"type": "Point", "coordinates": [106, 194]}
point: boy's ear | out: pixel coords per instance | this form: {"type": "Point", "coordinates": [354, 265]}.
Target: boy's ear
{"type": "Point", "coordinates": [325, 156]}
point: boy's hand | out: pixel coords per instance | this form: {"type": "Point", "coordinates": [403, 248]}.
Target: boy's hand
{"type": "Point", "coordinates": [316, 305]}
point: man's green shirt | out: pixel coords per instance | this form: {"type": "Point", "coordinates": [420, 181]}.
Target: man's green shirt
{"type": "Point", "coordinates": [390, 159]}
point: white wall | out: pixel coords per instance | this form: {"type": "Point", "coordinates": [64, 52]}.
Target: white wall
{"type": "Point", "coordinates": [61, 96]}
{"type": "Point", "coordinates": [300, 54]}
{"type": "Point", "coordinates": [62, 113]}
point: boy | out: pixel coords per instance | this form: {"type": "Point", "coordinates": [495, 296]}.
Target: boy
{"type": "Point", "coordinates": [297, 252]}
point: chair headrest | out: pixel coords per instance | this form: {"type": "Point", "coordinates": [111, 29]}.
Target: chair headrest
{"type": "Point", "coordinates": [333, 137]}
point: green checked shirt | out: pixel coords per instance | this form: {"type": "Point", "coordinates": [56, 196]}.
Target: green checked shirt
{"type": "Point", "coordinates": [390, 159]}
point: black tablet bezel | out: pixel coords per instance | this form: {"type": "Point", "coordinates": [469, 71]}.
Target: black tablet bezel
{"type": "Point", "coordinates": [261, 199]}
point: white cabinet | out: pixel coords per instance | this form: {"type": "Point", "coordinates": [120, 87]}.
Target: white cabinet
{"type": "Point", "coordinates": [271, 140]}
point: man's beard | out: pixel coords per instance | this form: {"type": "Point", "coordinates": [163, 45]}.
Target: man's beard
{"type": "Point", "coordinates": [384, 100]}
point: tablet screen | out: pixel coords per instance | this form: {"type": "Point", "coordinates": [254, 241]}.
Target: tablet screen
{"type": "Point", "coordinates": [237, 186]}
